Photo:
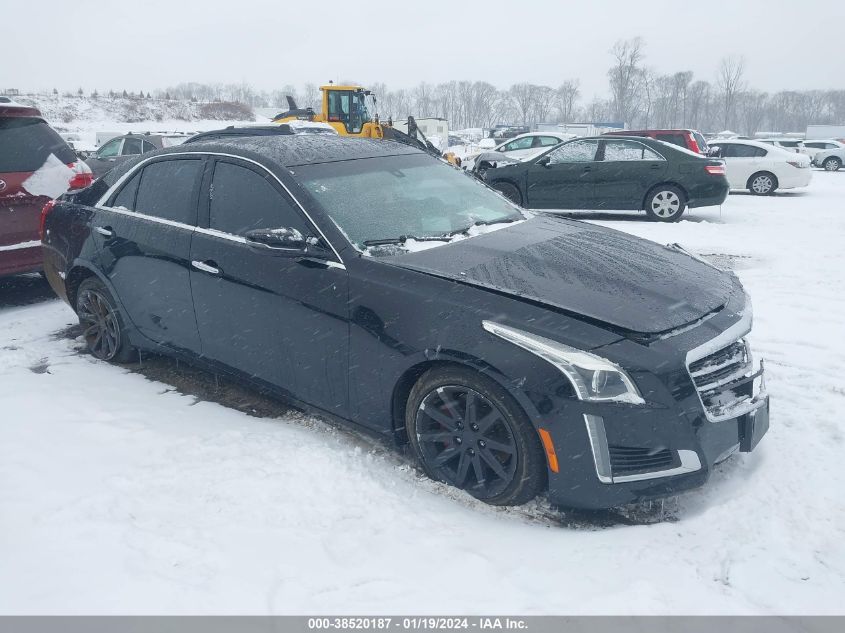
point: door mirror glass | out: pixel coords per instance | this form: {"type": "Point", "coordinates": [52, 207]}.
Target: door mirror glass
{"type": "Point", "coordinates": [285, 238]}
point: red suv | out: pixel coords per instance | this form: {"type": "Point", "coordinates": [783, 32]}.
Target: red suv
{"type": "Point", "coordinates": [690, 139]}
{"type": "Point", "coordinates": [36, 165]}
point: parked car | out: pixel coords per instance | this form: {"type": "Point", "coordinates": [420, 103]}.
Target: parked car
{"type": "Point", "coordinates": [368, 281]}
{"type": "Point", "coordinates": [692, 140]}
{"type": "Point", "coordinates": [121, 148]}
{"type": "Point", "coordinates": [762, 168]}
{"type": "Point", "coordinates": [36, 164]}
{"type": "Point", "coordinates": [522, 146]}
{"type": "Point", "coordinates": [617, 173]}
{"type": "Point", "coordinates": [827, 154]}
{"type": "Point", "coordinates": [789, 144]}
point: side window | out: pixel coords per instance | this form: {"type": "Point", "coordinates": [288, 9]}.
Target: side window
{"type": "Point", "coordinates": [520, 143]}
{"type": "Point", "coordinates": [148, 147]}
{"type": "Point", "coordinates": [674, 139]}
{"type": "Point", "coordinates": [575, 152]}
{"type": "Point", "coordinates": [125, 198]}
{"type": "Point", "coordinates": [738, 150]}
{"type": "Point", "coordinates": [243, 200]}
{"type": "Point", "coordinates": [167, 190]}
{"type": "Point", "coordinates": [628, 150]}
{"type": "Point", "coordinates": [131, 147]}
{"type": "Point", "coordinates": [110, 149]}
{"type": "Point", "coordinates": [548, 141]}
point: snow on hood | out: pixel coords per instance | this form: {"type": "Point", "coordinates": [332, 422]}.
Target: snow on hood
{"type": "Point", "coordinates": [51, 179]}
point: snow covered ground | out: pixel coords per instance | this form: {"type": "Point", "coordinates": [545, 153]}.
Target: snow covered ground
{"type": "Point", "coordinates": [120, 495]}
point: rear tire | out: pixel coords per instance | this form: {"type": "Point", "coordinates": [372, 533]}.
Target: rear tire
{"type": "Point", "coordinates": [832, 164]}
{"type": "Point", "coordinates": [509, 191]}
{"type": "Point", "coordinates": [103, 329]}
{"type": "Point", "coordinates": [665, 203]}
{"type": "Point", "coordinates": [762, 183]}
{"type": "Point", "coordinates": [467, 431]}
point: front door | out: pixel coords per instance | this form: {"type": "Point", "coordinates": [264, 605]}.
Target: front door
{"type": "Point", "coordinates": [279, 319]}
{"type": "Point", "coordinates": [144, 231]}
{"type": "Point", "coordinates": [566, 181]}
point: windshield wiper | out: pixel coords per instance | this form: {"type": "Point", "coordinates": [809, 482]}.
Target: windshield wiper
{"type": "Point", "coordinates": [483, 223]}
{"type": "Point", "coordinates": [404, 238]}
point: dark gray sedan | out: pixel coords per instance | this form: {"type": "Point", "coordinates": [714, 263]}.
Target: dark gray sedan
{"type": "Point", "coordinates": [120, 148]}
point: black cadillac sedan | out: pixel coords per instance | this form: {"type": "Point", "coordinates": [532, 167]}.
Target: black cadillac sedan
{"type": "Point", "coordinates": [608, 173]}
{"type": "Point", "coordinates": [368, 281]}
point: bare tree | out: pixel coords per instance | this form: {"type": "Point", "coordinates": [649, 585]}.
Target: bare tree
{"type": "Point", "coordinates": [566, 99]}
{"type": "Point", "coordinates": [523, 96]}
{"type": "Point", "coordinates": [625, 76]}
{"type": "Point", "coordinates": [544, 99]}
{"type": "Point", "coordinates": [730, 83]}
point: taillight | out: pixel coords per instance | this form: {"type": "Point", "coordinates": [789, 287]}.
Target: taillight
{"type": "Point", "coordinates": [794, 163]}
{"type": "Point", "coordinates": [693, 144]}
{"type": "Point", "coordinates": [715, 170]}
{"type": "Point", "coordinates": [45, 211]}
{"type": "Point", "coordinates": [82, 176]}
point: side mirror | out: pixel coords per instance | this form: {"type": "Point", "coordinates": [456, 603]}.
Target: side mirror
{"type": "Point", "coordinates": [715, 152]}
{"type": "Point", "coordinates": [545, 161]}
{"type": "Point", "coordinates": [285, 242]}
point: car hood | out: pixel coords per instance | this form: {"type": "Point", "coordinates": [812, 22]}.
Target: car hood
{"type": "Point", "coordinates": [586, 270]}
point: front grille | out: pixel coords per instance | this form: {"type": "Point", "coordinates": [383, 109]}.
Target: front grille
{"type": "Point", "coordinates": [628, 459]}
{"type": "Point", "coordinates": [724, 379]}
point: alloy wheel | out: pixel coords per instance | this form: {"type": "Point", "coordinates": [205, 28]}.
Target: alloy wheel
{"type": "Point", "coordinates": [831, 164]}
{"type": "Point", "coordinates": [100, 323]}
{"type": "Point", "coordinates": [665, 204]}
{"type": "Point", "coordinates": [762, 184]}
{"type": "Point", "coordinates": [465, 440]}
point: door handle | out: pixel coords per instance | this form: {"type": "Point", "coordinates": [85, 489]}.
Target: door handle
{"type": "Point", "coordinates": [655, 167]}
{"type": "Point", "coordinates": [207, 266]}
{"type": "Point", "coordinates": [104, 230]}
{"type": "Point", "coordinates": [588, 168]}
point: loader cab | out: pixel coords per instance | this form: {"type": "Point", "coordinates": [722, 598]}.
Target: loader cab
{"type": "Point", "coordinates": [347, 106]}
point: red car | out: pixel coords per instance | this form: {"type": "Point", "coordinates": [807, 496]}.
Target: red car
{"type": "Point", "coordinates": [36, 165]}
{"type": "Point", "coordinates": [690, 139]}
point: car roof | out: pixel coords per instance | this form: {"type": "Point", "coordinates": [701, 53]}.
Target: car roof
{"type": "Point", "coordinates": [655, 131]}
{"type": "Point", "coordinates": [232, 131]}
{"type": "Point", "coordinates": [9, 108]}
{"type": "Point", "coordinates": [297, 149]}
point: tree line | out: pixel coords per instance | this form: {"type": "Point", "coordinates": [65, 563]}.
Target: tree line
{"type": "Point", "coordinates": [638, 96]}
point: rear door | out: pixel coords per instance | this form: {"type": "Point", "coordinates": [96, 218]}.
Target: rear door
{"type": "Point", "coordinates": [27, 145]}
{"type": "Point", "coordinates": [741, 161]}
{"type": "Point", "coordinates": [280, 319]}
{"type": "Point", "coordinates": [146, 228]}
{"type": "Point", "coordinates": [566, 182]}
{"type": "Point", "coordinates": [627, 171]}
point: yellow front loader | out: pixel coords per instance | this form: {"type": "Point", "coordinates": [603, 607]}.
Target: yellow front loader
{"type": "Point", "coordinates": [345, 109]}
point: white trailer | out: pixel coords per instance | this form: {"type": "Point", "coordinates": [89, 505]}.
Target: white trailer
{"type": "Point", "coordinates": [827, 132]}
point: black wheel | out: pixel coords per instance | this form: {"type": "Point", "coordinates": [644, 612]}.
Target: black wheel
{"type": "Point", "coordinates": [832, 164]}
{"type": "Point", "coordinates": [509, 191]}
{"type": "Point", "coordinates": [665, 203]}
{"type": "Point", "coordinates": [467, 431]}
{"type": "Point", "coordinates": [762, 183]}
{"type": "Point", "coordinates": [102, 325]}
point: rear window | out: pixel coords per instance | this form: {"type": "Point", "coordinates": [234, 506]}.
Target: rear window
{"type": "Point", "coordinates": [168, 190]}
{"type": "Point", "coordinates": [25, 145]}
{"type": "Point", "coordinates": [701, 141]}
{"type": "Point", "coordinates": [674, 139]}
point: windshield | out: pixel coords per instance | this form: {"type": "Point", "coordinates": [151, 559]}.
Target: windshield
{"type": "Point", "coordinates": [396, 198]}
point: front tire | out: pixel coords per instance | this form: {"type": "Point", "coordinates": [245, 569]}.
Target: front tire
{"type": "Point", "coordinates": [832, 164]}
{"type": "Point", "coordinates": [467, 431]}
{"type": "Point", "coordinates": [103, 329]}
{"type": "Point", "coordinates": [762, 184]}
{"type": "Point", "coordinates": [509, 191]}
{"type": "Point", "coordinates": [665, 203]}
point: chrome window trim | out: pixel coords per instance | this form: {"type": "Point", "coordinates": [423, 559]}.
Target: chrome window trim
{"type": "Point", "coordinates": [151, 218]}
{"type": "Point", "coordinates": [101, 203]}
{"type": "Point", "coordinates": [690, 462]}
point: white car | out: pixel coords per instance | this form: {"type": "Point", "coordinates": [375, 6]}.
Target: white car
{"type": "Point", "coordinates": [521, 147]}
{"type": "Point", "coordinates": [762, 168]}
{"type": "Point", "coordinates": [789, 144]}
{"type": "Point", "coordinates": [827, 154]}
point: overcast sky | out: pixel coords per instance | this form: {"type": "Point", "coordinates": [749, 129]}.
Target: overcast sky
{"type": "Point", "coordinates": [152, 44]}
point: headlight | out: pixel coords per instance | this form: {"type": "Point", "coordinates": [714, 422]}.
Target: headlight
{"type": "Point", "coordinates": [594, 378]}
